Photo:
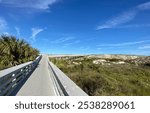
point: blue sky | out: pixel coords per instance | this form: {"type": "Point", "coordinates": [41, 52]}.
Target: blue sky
{"type": "Point", "coordinates": [79, 26]}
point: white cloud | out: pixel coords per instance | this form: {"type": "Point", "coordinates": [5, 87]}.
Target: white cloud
{"type": "Point", "coordinates": [35, 4]}
{"type": "Point", "coordinates": [121, 19]}
{"type": "Point", "coordinates": [134, 26]}
{"type": "Point", "coordinates": [35, 32]}
{"type": "Point", "coordinates": [71, 43]}
{"type": "Point", "coordinates": [67, 44]}
{"type": "Point", "coordinates": [124, 17]}
{"type": "Point", "coordinates": [17, 31]}
{"type": "Point", "coordinates": [3, 24]}
{"type": "Point", "coordinates": [144, 47]}
{"type": "Point", "coordinates": [144, 6]}
{"type": "Point", "coordinates": [99, 48]}
{"type": "Point", "coordinates": [6, 33]}
{"type": "Point", "coordinates": [123, 44]}
{"type": "Point", "coordinates": [62, 40]}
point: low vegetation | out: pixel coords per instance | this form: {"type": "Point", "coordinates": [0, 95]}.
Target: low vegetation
{"type": "Point", "coordinates": [108, 76]}
{"type": "Point", "coordinates": [15, 51]}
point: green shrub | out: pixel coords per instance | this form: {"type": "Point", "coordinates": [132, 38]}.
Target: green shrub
{"type": "Point", "coordinates": [114, 79]}
{"type": "Point", "coordinates": [15, 51]}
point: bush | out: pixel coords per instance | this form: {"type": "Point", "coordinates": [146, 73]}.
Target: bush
{"type": "Point", "coordinates": [114, 79]}
{"type": "Point", "coordinates": [15, 51]}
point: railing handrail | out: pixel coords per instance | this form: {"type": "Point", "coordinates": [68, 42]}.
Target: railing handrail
{"type": "Point", "coordinates": [64, 83]}
{"type": "Point", "coordinates": [11, 77]}
{"type": "Point", "coordinates": [12, 69]}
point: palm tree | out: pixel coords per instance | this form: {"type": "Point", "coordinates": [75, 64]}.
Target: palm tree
{"type": "Point", "coordinates": [15, 51]}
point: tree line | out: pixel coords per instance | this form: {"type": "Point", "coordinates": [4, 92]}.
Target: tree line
{"type": "Point", "coordinates": [14, 51]}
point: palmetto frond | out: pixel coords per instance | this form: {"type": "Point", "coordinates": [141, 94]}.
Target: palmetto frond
{"type": "Point", "coordinates": [14, 51]}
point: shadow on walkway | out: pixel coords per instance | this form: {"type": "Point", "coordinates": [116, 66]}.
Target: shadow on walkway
{"type": "Point", "coordinates": [22, 82]}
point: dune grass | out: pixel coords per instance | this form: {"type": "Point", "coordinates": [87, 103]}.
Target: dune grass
{"type": "Point", "coordinates": [107, 80]}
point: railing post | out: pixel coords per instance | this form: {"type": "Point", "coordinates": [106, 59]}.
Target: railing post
{"type": "Point", "coordinates": [10, 78]}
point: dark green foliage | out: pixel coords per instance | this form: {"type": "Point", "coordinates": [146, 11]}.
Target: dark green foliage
{"type": "Point", "coordinates": [114, 79]}
{"type": "Point", "coordinates": [147, 64]}
{"type": "Point", "coordinates": [15, 51]}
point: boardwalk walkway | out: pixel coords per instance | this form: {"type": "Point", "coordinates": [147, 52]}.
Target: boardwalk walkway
{"type": "Point", "coordinates": [40, 82]}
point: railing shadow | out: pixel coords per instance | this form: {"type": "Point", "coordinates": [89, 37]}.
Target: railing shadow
{"type": "Point", "coordinates": [19, 86]}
